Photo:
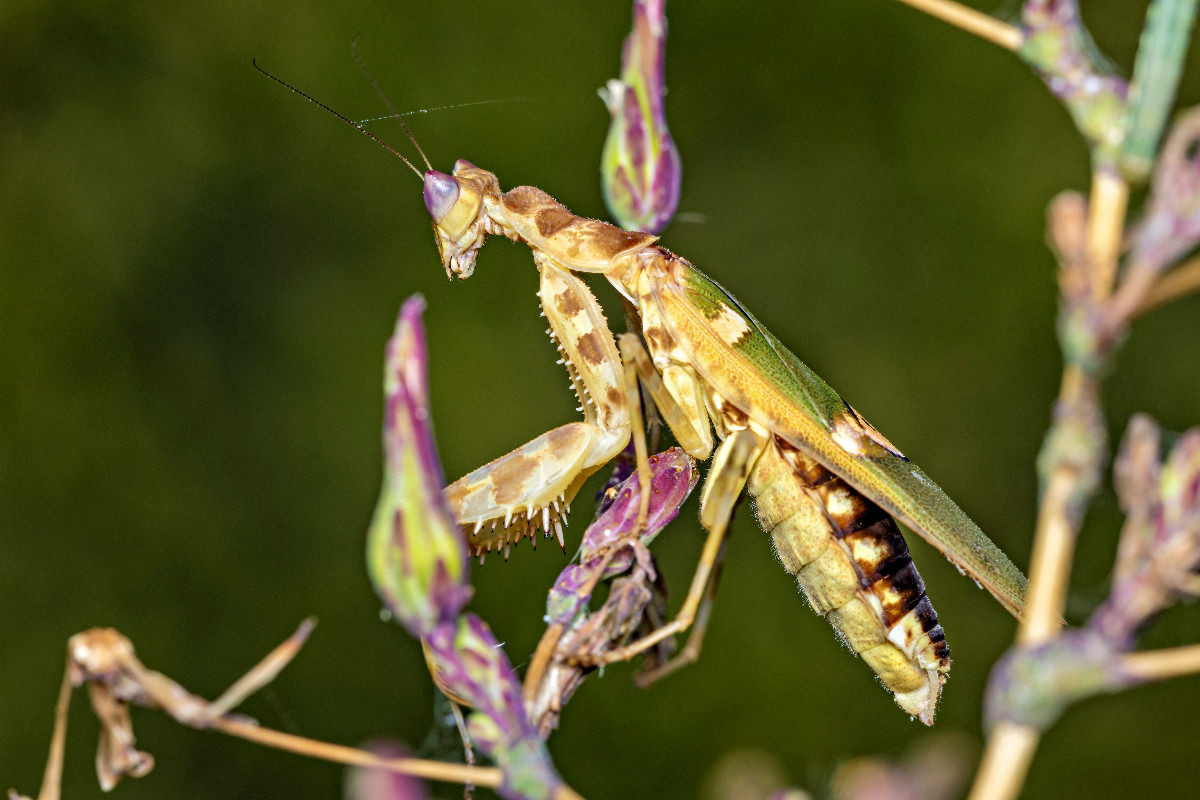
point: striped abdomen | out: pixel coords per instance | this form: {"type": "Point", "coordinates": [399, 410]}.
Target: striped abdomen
{"type": "Point", "coordinates": [853, 565]}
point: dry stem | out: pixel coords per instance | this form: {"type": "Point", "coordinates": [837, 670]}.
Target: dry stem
{"type": "Point", "coordinates": [490, 777]}
{"type": "Point", "coordinates": [1157, 665]}
{"type": "Point", "coordinates": [1005, 762]}
{"type": "Point", "coordinates": [982, 25]}
{"type": "Point", "coordinates": [1053, 548]}
{"type": "Point", "coordinates": [52, 776]}
{"type": "Point", "coordinates": [1180, 281]}
{"type": "Point", "coordinates": [1106, 223]}
{"type": "Point", "coordinates": [1010, 747]}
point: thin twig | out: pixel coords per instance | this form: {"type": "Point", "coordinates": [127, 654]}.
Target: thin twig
{"type": "Point", "coordinates": [982, 25]}
{"type": "Point", "coordinates": [1005, 763]}
{"type": "Point", "coordinates": [1011, 747]}
{"type": "Point", "coordinates": [1106, 222]}
{"type": "Point", "coordinates": [490, 777]}
{"type": "Point", "coordinates": [1180, 281]}
{"type": "Point", "coordinates": [52, 777]}
{"type": "Point", "coordinates": [1053, 548]}
{"type": "Point", "coordinates": [264, 672]}
{"type": "Point", "coordinates": [1157, 665]}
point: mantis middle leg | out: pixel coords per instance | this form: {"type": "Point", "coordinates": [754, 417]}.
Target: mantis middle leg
{"type": "Point", "coordinates": [731, 467]}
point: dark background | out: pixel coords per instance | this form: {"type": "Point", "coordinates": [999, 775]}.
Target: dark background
{"type": "Point", "coordinates": [198, 272]}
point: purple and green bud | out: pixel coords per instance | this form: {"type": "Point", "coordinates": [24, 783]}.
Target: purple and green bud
{"type": "Point", "coordinates": [674, 475]}
{"type": "Point", "coordinates": [415, 553]}
{"type": "Point", "coordinates": [1170, 226]}
{"type": "Point", "coordinates": [1159, 551]}
{"type": "Point", "coordinates": [1059, 48]}
{"type": "Point", "coordinates": [640, 166]}
{"type": "Point", "coordinates": [471, 666]}
{"type": "Point", "coordinates": [1033, 686]}
{"type": "Point", "coordinates": [373, 783]}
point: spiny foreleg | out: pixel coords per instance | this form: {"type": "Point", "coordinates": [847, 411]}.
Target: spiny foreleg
{"type": "Point", "coordinates": [531, 488]}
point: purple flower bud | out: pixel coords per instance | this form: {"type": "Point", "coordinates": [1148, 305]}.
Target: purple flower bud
{"type": "Point", "coordinates": [673, 477]}
{"type": "Point", "coordinates": [1058, 47]}
{"type": "Point", "coordinates": [1170, 226]}
{"type": "Point", "coordinates": [471, 666]}
{"type": "Point", "coordinates": [640, 166]}
{"type": "Point", "coordinates": [415, 553]}
{"type": "Point", "coordinates": [372, 783]}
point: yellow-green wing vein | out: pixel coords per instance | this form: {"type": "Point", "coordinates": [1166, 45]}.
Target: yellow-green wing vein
{"type": "Point", "coordinates": [749, 367]}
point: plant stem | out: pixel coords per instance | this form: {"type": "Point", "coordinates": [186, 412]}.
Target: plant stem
{"type": "Point", "coordinates": [982, 25]}
{"type": "Point", "coordinates": [1106, 224]}
{"type": "Point", "coordinates": [52, 777]}
{"type": "Point", "coordinates": [1157, 665]}
{"type": "Point", "coordinates": [490, 777]}
{"type": "Point", "coordinates": [1053, 548]}
{"type": "Point", "coordinates": [1005, 763]}
{"type": "Point", "coordinates": [1010, 746]}
{"type": "Point", "coordinates": [1180, 281]}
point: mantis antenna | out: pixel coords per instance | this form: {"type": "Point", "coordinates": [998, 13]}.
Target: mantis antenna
{"type": "Point", "coordinates": [379, 91]}
{"type": "Point", "coordinates": [349, 121]}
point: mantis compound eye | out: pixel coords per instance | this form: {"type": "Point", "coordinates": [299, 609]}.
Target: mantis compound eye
{"type": "Point", "coordinates": [453, 202]}
{"type": "Point", "coordinates": [441, 193]}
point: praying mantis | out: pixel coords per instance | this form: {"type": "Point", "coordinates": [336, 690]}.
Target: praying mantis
{"type": "Point", "coordinates": [828, 487]}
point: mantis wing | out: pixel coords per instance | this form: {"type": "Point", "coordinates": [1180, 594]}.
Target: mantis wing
{"type": "Point", "coordinates": [752, 369]}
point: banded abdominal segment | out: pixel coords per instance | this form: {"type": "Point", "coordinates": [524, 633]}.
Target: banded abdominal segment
{"type": "Point", "coordinates": [853, 566]}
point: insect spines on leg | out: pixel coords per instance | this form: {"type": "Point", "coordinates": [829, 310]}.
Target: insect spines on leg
{"type": "Point", "coordinates": [516, 495]}
{"type": "Point", "coordinates": [710, 356]}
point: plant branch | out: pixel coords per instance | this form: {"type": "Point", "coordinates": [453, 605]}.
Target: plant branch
{"type": "Point", "coordinates": [1053, 548]}
{"type": "Point", "coordinates": [1157, 665]}
{"type": "Point", "coordinates": [1069, 466]}
{"type": "Point", "coordinates": [1010, 749]}
{"type": "Point", "coordinates": [982, 25]}
{"type": "Point", "coordinates": [1106, 223]}
{"type": "Point", "coordinates": [1179, 282]}
{"type": "Point", "coordinates": [490, 777]}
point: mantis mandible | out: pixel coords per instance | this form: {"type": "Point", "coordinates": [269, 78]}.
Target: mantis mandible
{"type": "Point", "coordinates": [828, 487]}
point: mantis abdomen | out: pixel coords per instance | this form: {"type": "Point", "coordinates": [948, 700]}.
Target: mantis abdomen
{"type": "Point", "coordinates": [855, 570]}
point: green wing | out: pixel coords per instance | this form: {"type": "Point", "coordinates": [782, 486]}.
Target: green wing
{"type": "Point", "coordinates": [751, 368]}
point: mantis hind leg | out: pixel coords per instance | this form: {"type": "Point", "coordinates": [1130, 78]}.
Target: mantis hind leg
{"type": "Point", "coordinates": [691, 650]}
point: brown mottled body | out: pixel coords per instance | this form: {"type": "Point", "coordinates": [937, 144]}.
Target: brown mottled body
{"type": "Point", "coordinates": [828, 486]}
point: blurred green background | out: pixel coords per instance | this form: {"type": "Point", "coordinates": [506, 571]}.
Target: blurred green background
{"type": "Point", "coordinates": [198, 272]}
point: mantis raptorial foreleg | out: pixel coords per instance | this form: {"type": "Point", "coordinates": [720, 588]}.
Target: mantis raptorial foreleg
{"type": "Point", "coordinates": [531, 487]}
{"type": "Point", "coordinates": [828, 487]}
{"type": "Point", "coordinates": [548, 645]}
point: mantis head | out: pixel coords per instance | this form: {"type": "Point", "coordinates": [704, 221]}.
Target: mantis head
{"type": "Point", "coordinates": [460, 219]}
